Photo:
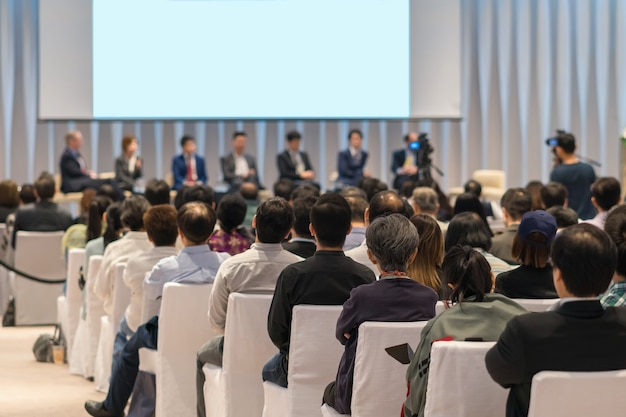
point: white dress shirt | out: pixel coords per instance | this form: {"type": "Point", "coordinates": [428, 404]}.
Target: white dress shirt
{"type": "Point", "coordinates": [359, 254]}
{"type": "Point", "coordinates": [241, 165]}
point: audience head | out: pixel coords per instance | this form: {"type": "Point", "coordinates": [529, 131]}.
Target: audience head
{"type": "Point", "coordinates": [515, 202]}
{"type": "Point", "coordinates": [85, 200]}
{"type": "Point", "coordinates": [473, 187]}
{"type": "Point", "coordinates": [133, 209]}
{"type": "Point", "coordinates": [330, 220]}
{"type": "Point", "coordinates": [383, 203]}
{"type": "Point", "coordinates": [27, 194]}
{"type": "Point", "coordinates": [45, 186]}
{"type": "Point", "coordinates": [196, 221]}
{"type": "Point", "coordinates": [554, 194]}
{"type": "Point", "coordinates": [179, 199]}
{"type": "Point", "coordinates": [157, 192]}
{"type": "Point", "coordinates": [97, 207]}
{"type": "Point", "coordinates": [355, 138]}
{"type": "Point", "coordinates": [467, 202]}
{"type": "Point", "coordinates": [372, 186]}
{"type": "Point", "coordinates": [283, 188]}
{"type": "Point", "coordinates": [114, 226]}
{"type": "Point", "coordinates": [239, 142]}
{"type": "Point", "coordinates": [564, 216]}
{"type": "Point", "coordinates": [358, 205]}
{"type": "Point", "coordinates": [293, 140]}
{"type": "Point", "coordinates": [408, 209]}
{"type": "Point", "coordinates": [201, 193]}
{"type": "Point", "coordinates": [430, 252]}
{"type": "Point", "coordinates": [605, 193]}
{"type": "Point", "coordinates": [425, 200]}
{"type": "Point", "coordinates": [9, 194]}
{"type": "Point", "coordinates": [531, 244]}
{"type": "Point", "coordinates": [534, 190]}
{"type": "Point", "coordinates": [566, 144]}
{"type": "Point", "coordinates": [231, 212]}
{"type": "Point", "coordinates": [160, 224]}
{"type": "Point", "coordinates": [273, 220]}
{"type": "Point", "coordinates": [584, 259]}
{"type": "Point", "coordinates": [302, 211]}
{"type": "Point", "coordinates": [392, 243]}
{"type": "Point", "coordinates": [615, 227]}
{"type": "Point", "coordinates": [188, 143]}
{"type": "Point", "coordinates": [249, 191]}
{"type": "Point", "coordinates": [467, 229]}
{"type": "Point", "coordinates": [466, 273]}
{"type": "Point", "coordinates": [74, 139]}
{"type": "Point", "coordinates": [351, 191]}
{"type": "Point", "coordinates": [108, 191]}
{"type": "Point", "coordinates": [304, 190]}
{"type": "Point", "coordinates": [129, 145]}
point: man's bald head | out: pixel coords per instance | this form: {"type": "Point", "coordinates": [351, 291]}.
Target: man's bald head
{"type": "Point", "coordinates": [383, 203]}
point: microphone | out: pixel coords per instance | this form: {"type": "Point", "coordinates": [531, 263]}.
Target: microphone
{"type": "Point", "coordinates": [589, 161]}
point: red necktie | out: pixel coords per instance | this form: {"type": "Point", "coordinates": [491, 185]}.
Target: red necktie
{"type": "Point", "coordinates": [189, 173]}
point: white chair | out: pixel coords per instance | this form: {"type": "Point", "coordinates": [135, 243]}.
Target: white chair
{"type": "Point", "coordinates": [236, 388]}
{"type": "Point", "coordinates": [95, 311]}
{"type": "Point", "coordinates": [536, 305]}
{"type": "Point", "coordinates": [314, 355]}
{"type": "Point", "coordinates": [72, 300]}
{"type": "Point", "coordinates": [577, 394]}
{"type": "Point", "coordinates": [108, 329]}
{"type": "Point", "coordinates": [459, 384]}
{"type": "Point", "coordinates": [492, 181]}
{"type": "Point", "coordinates": [38, 254]}
{"type": "Point", "coordinates": [183, 328]}
{"type": "Point", "coordinates": [440, 307]}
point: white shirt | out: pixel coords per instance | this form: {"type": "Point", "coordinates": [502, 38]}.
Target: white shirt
{"type": "Point", "coordinates": [241, 165]}
{"type": "Point", "coordinates": [131, 245]}
{"type": "Point", "coordinates": [255, 270]}
{"type": "Point", "coordinates": [359, 254]}
{"type": "Point", "coordinates": [134, 274]}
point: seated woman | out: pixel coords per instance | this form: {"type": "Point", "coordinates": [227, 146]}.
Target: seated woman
{"type": "Point", "coordinates": [128, 166]}
{"type": "Point", "coordinates": [392, 245]}
{"type": "Point", "coordinates": [468, 202]}
{"type": "Point", "coordinates": [531, 247]}
{"type": "Point", "coordinates": [9, 198]}
{"type": "Point", "coordinates": [231, 237]}
{"type": "Point", "coordinates": [476, 314]}
{"type": "Point", "coordinates": [426, 268]}
{"type": "Point", "coordinates": [76, 235]}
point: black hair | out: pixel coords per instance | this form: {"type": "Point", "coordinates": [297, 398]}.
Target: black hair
{"type": "Point", "coordinates": [239, 133]}
{"type": "Point", "coordinates": [185, 139]}
{"type": "Point", "coordinates": [302, 211]}
{"type": "Point", "coordinates": [353, 131]}
{"type": "Point", "coordinates": [160, 223]}
{"type": "Point", "coordinates": [553, 194]}
{"type": "Point", "coordinates": [385, 202]}
{"type": "Point", "coordinates": [330, 217]}
{"type": "Point", "coordinates": [157, 192]}
{"type": "Point", "coordinates": [372, 186]}
{"type": "Point", "coordinates": [179, 200]}
{"type": "Point", "coordinates": [304, 190]}
{"type": "Point", "coordinates": [473, 187]}
{"type": "Point", "coordinates": [114, 224]}
{"type": "Point", "coordinates": [615, 227]}
{"type": "Point", "coordinates": [45, 186]}
{"type": "Point", "coordinates": [27, 194]}
{"type": "Point", "coordinates": [467, 228]}
{"type": "Point", "coordinates": [231, 212]}
{"type": "Point", "coordinates": [97, 207]}
{"type": "Point", "coordinates": [108, 191]}
{"type": "Point", "coordinates": [607, 192]}
{"type": "Point", "coordinates": [516, 201]}
{"type": "Point", "coordinates": [274, 219]}
{"type": "Point", "coordinates": [133, 209]}
{"type": "Point", "coordinates": [565, 216]}
{"type": "Point", "coordinates": [196, 221]}
{"type": "Point", "coordinates": [293, 135]}
{"type": "Point", "coordinates": [468, 202]}
{"type": "Point", "coordinates": [201, 193]}
{"type": "Point", "coordinates": [283, 188]}
{"type": "Point", "coordinates": [468, 271]}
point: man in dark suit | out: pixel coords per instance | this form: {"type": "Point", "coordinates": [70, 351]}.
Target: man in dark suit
{"type": "Point", "coordinates": [239, 167]}
{"type": "Point", "coordinates": [294, 164]}
{"type": "Point", "coordinates": [188, 167]}
{"type": "Point", "coordinates": [404, 162]}
{"type": "Point", "coordinates": [578, 334]}
{"type": "Point", "coordinates": [44, 215]}
{"type": "Point", "coordinates": [75, 176]}
{"type": "Point", "coordinates": [351, 162]}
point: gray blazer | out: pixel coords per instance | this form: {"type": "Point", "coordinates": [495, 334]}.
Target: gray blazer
{"type": "Point", "coordinates": [228, 170]}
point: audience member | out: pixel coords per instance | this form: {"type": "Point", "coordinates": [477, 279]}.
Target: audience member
{"type": "Point", "coordinates": [358, 205]}
{"type": "Point", "coordinates": [44, 215]}
{"type": "Point", "coordinates": [533, 188]}
{"type": "Point", "coordinates": [404, 162]}
{"type": "Point", "coordinates": [325, 278]}
{"type": "Point", "coordinates": [157, 192]}
{"type": "Point", "coordinates": [615, 227]}
{"type": "Point", "coordinates": [426, 267]}
{"type": "Point", "coordinates": [199, 193]}
{"type": "Point", "coordinates": [351, 191]}
{"type": "Point", "coordinates": [294, 164]}
{"type": "Point", "coordinates": [303, 191]}
{"type": "Point", "coordinates": [515, 203]}
{"type": "Point", "coordinates": [26, 196]}
{"type": "Point", "coordinates": [381, 204]}
{"type": "Point", "coordinates": [392, 245]}
{"type": "Point", "coordinates": [97, 209]}
{"type": "Point", "coordinates": [283, 188]}
{"type": "Point", "coordinates": [108, 191]}
{"type": "Point", "coordinates": [179, 199]}
{"type": "Point", "coordinates": [474, 187]}
{"type": "Point", "coordinates": [231, 237]}
{"type": "Point", "coordinates": [351, 162]}
{"type": "Point", "coordinates": [302, 242]}
{"type": "Point", "coordinates": [554, 194]}
{"type": "Point", "coordinates": [239, 167]}
{"type": "Point", "coordinates": [372, 186]}
{"type": "Point", "coordinates": [408, 209]}
{"type": "Point", "coordinates": [9, 198]}
{"type": "Point", "coordinates": [575, 175]}
{"type": "Point", "coordinates": [531, 248]}
{"type": "Point", "coordinates": [605, 194]}
{"type": "Point", "coordinates": [469, 229]}
{"type": "Point", "coordinates": [476, 315]}
{"type": "Point", "coordinates": [565, 217]}
{"type": "Point", "coordinates": [256, 271]}
{"type": "Point", "coordinates": [468, 202]}
{"type": "Point", "coordinates": [250, 194]}
{"type": "Point", "coordinates": [76, 235]}
{"type": "Point", "coordinates": [188, 167]}
{"type": "Point", "coordinates": [577, 335]}
{"type": "Point", "coordinates": [129, 165]}
{"type": "Point", "coordinates": [426, 201]}
{"type": "Point", "coordinates": [195, 264]}
{"type": "Point", "coordinates": [112, 231]}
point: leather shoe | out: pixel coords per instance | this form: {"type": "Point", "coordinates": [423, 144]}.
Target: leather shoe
{"type": "Point", "coordinates": [96, 409]}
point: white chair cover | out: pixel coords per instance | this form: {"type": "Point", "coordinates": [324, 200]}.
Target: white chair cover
{"type": "Point", "coordinates": [75, 259]}
{"type": "Point", "coordinates": [577, 394]}
{"type": "Point", "coordinates": [458, 382]}
{"type": "Point", "coordinates": [440, 307]}
{"type": "Point", "coordinates": [183, 328]}
{"type": "Point", "coordinates": [36, 303]}
{"type": "Point", "coordinates": [536, 306]}
{"type": "Point", "coordinates": [236, 388]}
{"type": "Point", "coordinates": [328, 411]}
{"type": "Point", "coordinates": [95, 311]}
{"type": "Point", "coordinates": [314, 355]}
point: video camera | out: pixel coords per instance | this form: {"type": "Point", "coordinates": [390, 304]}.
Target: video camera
{"type": "Point", "coordinates": [557, 140]}
{"type": "Point", "coordinates": [422, 149]}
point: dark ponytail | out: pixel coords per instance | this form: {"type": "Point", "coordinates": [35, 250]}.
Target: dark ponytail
{"type": "Point", "coordinates": [468, 271]}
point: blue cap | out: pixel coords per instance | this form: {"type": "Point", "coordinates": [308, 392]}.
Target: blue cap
{"type": "Point", "coordinates": [537, 221]}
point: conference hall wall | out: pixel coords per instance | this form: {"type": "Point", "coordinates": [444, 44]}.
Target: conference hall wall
{"type": "Point", "coordinates": [527, 68]}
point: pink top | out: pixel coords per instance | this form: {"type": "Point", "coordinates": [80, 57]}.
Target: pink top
{"type": "Point", "coordinates": [233, 243]}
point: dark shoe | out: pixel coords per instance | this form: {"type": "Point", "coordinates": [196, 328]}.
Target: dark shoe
{"type": "Point", "coordinates": [96, 409]}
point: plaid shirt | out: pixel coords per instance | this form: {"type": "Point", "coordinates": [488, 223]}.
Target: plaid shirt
{"type": "Point", "coordinates": [615, 296]}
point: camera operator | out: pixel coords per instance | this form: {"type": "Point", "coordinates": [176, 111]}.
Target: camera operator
{"type": "Point", "coordinates": [408, 162]}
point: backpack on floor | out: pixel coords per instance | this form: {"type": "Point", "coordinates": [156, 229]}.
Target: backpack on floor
{"type": "Point", "coordinates": [42, 349]}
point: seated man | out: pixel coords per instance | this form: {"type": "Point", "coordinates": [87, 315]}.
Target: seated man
{"type": "Point", "coordinates": [294, 164]}
{"type": "Point", "coordinates": [404, 162]}
{"type": "Point", "coordinates": [188, 167]}
{"type": "Point", "coordinates": [196, 264]}
{"type": "Point", "coordinates": [44, 215]}
{"type": "Point", "coordinates": [515, 203]}
{"type": "Point", "coordinates": [605, 194]}
{"type": "Point", "coordinates": [157, 192]}
{"type": "Point", "coordinates": [614, 226]}
{"type": "Point", "coordinates": [255, 270]}
{"type": "Point", "coordinates": [326, 278]}
{"type": "Point", "coordinates": [351, 162]}
{"type": "Point", "coordinates": [239, 167]}
{"type": "Point", "coordinates": [358, 205]}
{"type": "Point", "coordinates": [426, 201]}
{"type": "Point", "coordinates": [578, 335]}
{"type": "Point", "coordinates": [302, 243]}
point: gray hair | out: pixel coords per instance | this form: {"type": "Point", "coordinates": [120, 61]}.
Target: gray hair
{"type": "Point", "coordinates": [392, 240]}
{"type": "Point", "coordinates": [426, 199]}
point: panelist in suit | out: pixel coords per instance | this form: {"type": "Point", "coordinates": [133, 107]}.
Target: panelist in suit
{"type": "Point", "coordinates": [75, 176]}
{"type": "Point", "coordinates": [128, 166]}
{"type": "Point", "coordinates": [239, 167]}
{"type": "Point", "coordinates": [404, 164]}
{"type": "Point", "coordinates": [294, 164]}
{"type": "Point", "coordinates": [188, 167]}
{"type": "Point", "coordinates": [351, 162]}
{"type": "Point", "coordinates": [577, 335]}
